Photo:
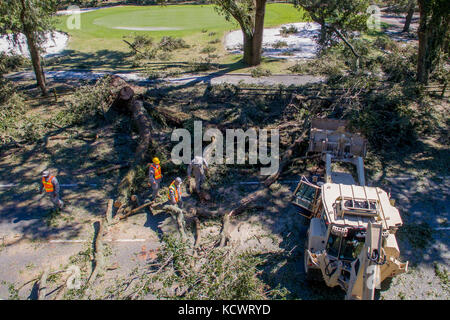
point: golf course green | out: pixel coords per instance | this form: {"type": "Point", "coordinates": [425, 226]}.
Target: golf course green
{"type": "Point", "coordinates": [104, 29]}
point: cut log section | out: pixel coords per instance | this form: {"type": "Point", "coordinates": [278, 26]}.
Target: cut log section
{"type": "Point", "coordinates": [136, 210]}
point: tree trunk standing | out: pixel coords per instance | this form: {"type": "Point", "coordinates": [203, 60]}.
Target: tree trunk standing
{"type": "Point", "coordinates": [323, 33]}
{"type": "Point", "coordinates": [33, 48]}
{"type": "Point", "coordinates": [422, 70]}
{"type": "Point", "coordinates": [259, 31]}
{"type": "Point", "coordinates": [433, 34]}
{"type": "Point", "coordinates": [36, 61]}
{"type": "Point", "coordinates": [253, 42]}
{"type": "Point", "coordinates": [248, 49]}
{"type": "Point", "coordinates": [409, 16]}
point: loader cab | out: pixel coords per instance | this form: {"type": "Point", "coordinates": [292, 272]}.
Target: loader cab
{"type": "Point", "coordinates": [307, 198]}
{"type": "Point", "coordinates": [345, 245]}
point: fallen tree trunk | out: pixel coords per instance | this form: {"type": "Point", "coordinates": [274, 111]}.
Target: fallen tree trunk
{"type": "Point", "coordinates": [126, 100]}
{"type": "Point", "coordinates": [178, 215]}
{"type": "Point", "coordinates": [109, 211]}
{"type": "Point", "coordinates": [42, 287]}
{"type": "Point", "coordinates": [98, 259]}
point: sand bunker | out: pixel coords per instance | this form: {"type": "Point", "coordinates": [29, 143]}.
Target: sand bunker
{"type": "Point", "coordinates": [55, 42]}
{"type": "Point", "coordinates": [300, 45]}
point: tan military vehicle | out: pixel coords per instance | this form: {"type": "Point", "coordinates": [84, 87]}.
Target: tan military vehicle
{"type": "Point", "coordinates": [351, 237]}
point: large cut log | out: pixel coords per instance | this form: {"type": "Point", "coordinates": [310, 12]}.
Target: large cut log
{"type": "Point", "coordinates": [126, 99]}
{"type": "Point", "coordinates": [123, 99]}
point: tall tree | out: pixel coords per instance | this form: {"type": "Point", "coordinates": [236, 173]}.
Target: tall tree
{"type": "Point", "coordinates": [338, 19]}
{"type": "Point", "coordinates": [403, 7]}
{"type": "Point", "coordinates": [411, 8]}
{"type": "Point", "coordinates": [433, 35]}
{"type": "Point", "coordinates": [32, 18]}
{"type": "Point", "coordinates": [249, 14]}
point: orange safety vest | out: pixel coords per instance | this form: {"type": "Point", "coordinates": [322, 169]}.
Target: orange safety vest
{"type": "Point", "coordinates": [48, 185]}
{"type": "Point", "coordinates": [175, 191]}
{"type": "Point", "coordinates": [157, 170]}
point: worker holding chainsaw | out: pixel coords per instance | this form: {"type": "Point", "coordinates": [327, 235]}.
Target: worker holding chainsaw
{"type": "Point", "coordinates": [155, 176]}
{"type": "Point", "coordinates": [51, 187]}
{"type": "Point", "coordinates": [198, 166]}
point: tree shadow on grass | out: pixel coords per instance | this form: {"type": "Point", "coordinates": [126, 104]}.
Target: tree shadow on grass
{"type": "Point", "coordinates": [108, 60]}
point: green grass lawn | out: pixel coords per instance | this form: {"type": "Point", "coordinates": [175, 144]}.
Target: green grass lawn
{"type": "Point", "coordinates": [98, 44]}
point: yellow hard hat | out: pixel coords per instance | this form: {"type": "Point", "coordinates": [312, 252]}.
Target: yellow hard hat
{"type": "Point", "coordinates": [156, 161]}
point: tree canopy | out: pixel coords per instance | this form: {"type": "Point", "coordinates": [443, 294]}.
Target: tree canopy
{"type": "Point", "coordinates": [37, 15]}
{"type": "Point", "coordinates": [249, 14]}
{"type": "Point", "coordinates": [338, 19]}
{"type": "Point", "coordinates": [33, 18]}
{"type": "Point", "coordinates": [433, 35]}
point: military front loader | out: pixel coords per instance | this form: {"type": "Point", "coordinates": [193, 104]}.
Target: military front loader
{"type": "Point", "coordinates": [351, 239]}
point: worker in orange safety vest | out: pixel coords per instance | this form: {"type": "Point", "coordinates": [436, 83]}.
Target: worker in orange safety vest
{"type": "Point", "coordinates": [51, 187]}
{"type": "Point", "coordinates": [155, 176]}
{"type": "Point", "coordinates": [174, 194]}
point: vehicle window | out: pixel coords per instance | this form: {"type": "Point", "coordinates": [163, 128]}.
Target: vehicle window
{"type": "Point", "coordinates": [333, 245]}
{"type": "Point", "coordinates": [306, 195]}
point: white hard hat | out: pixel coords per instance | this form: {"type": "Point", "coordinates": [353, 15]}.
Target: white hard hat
{"type": "Point", "coordinates": [178, 180]}
{"type": "Point", "coordinates": [197, 160]}
{"type": "Point", "coordinates": [46, 173]}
